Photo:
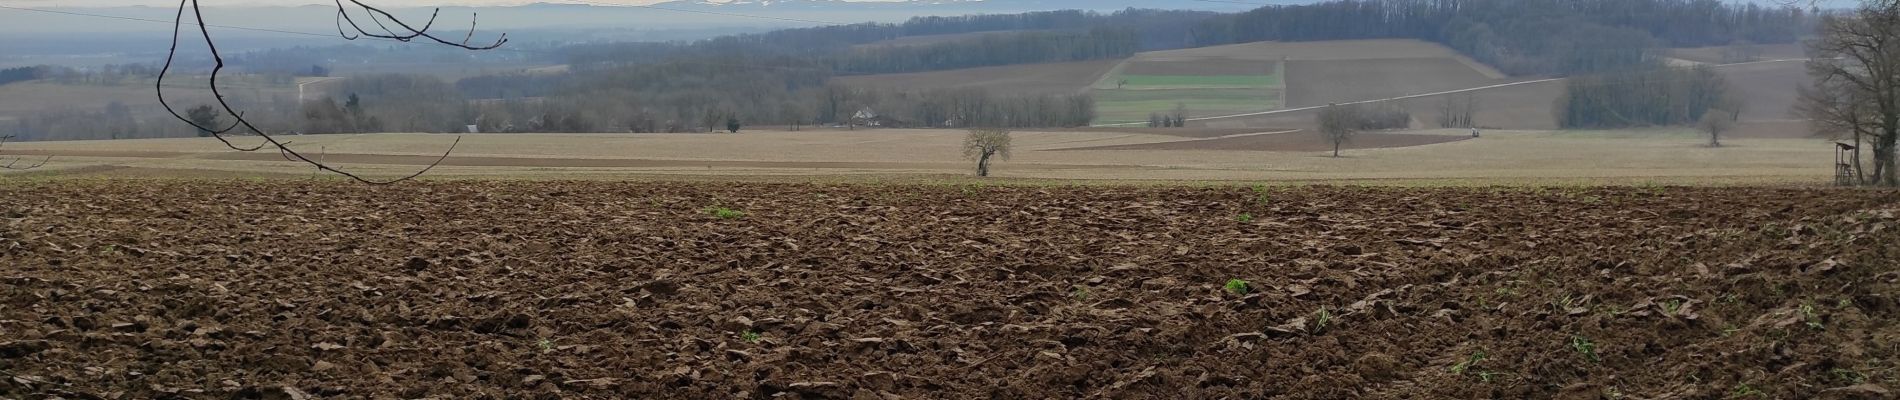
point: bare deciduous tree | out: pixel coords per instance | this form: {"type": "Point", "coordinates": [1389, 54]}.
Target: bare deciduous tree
{"type": "Point", "coordinates": [1458, 111]}
{"type": "Point", "coordinates": [982, 144]}
{"type": "Point", "coordinates": [1856, 88]}
{"type": "Point", "coordinates": [1338, 124]}
{"type": "Point", "coordinates": [1715, 123]}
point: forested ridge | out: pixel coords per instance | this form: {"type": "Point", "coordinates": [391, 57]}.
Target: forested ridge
{"type": "Point", "coordinates": [1554, 37]}
{"type": "Point", "coordinates": [778, 72]}
{"type": "Point", "coordinates": [783, 77]}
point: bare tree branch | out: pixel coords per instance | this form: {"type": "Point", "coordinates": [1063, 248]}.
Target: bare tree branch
{"type": "Point", "coordinates": [413, 32]}
{"type": "Point", "coordinates": [283, 147]}
{"type": "Point", "coordinates": [14, 163]}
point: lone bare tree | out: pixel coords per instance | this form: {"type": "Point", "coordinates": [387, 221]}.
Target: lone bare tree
{"type": "Point", "coordinates": [1338, 124]}
{"type": "Point", "coordinates": [984, 143]}
{"type": "Point", "coordinates": [1856, 88]}
{"type": "Point", "coordinates": [1459, 111]}
{"type": "Point", "coordinates": [1715, 123]}
{"type": "Point", "coordinates": [402, 31]}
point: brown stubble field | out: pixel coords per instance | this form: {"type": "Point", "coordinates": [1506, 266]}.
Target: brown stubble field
{"type": "Point", "coordinates": [1429, 157]}
{"type": "Point", "coordinates": [485, 289]}
{"type": "Point", "coordinates": [1661, 156]}
{"type": "Point", "coordinates": [1012, 80]}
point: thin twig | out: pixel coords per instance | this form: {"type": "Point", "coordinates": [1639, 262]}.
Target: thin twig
{"type": "Point", "coordinates": [283, 147]}
{"type": "Point", "coordinates": [11, 164]}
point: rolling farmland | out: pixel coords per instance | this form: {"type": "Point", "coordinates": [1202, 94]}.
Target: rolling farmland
{"type": "Point", "coordinates": [1208, 85]}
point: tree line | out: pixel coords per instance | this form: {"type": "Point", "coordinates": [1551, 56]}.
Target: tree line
{"type": "Point", "coordinates": [670, 97]}
{"type": "Point", "coordinates": [1020, 38]}
{"type": "Point", "coordinates": [1647, 97]}
{"type": "Point", "coordinates": [1521, 36]}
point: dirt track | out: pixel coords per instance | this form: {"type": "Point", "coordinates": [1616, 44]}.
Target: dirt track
{"type": "Point", "coordinates": [602, 290]}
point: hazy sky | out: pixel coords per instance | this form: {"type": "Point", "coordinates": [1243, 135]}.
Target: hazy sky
{"type": "Point", "coordinates": [390, 3]}
{"type": "Point", "coordinates": [424, 3]}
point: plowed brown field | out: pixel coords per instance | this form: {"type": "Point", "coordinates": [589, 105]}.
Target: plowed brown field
{"type": "Point", "coordinates": [623, 290]}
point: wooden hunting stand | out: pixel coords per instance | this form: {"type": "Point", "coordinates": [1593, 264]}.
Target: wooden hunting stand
{"type": "Point", "coordinates": [1846, 157]}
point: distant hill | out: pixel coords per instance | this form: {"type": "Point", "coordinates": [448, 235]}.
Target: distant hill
{"type": "Point", "coordinates": [669, 15]}
{"type": "Point", "coordinates": [986, 6]}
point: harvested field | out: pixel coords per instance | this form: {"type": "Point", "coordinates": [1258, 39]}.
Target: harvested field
{"type": "Point", "coordinates": [1206, 66]}
{"type": "Point", "coordinates": [1026, 79]}
{"type": "Point", "coordinates": [1205, 86]}
{"type": "Point", "coordinates": [1292, 141]}
{"type": "Point", "coordinates": [1500, 157]}
{"type": "Point", "coordinates": [615, 290]}
{"type": "Point", "coordinates": [1713, 55]}
{"type": "Point", "coordinates": [1123, 106]}
{"type": "Point", "coordinates": [1768, 90]}
{"type": "Point", "coordinates": [1317, 50]}
{"type": "Point", "coordinates": [1181, 132]}
{"type": "Point", "coordinates": [1317, 83]}
{"type": "Point", "coordinates": [1159, 82]}
{"type": "Point", "coordinates": [1774, 129]}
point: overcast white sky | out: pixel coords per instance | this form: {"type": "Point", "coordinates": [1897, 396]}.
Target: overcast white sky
{"type": "Point", "coordinates": [425, 3]}
{"type": "Point", "coordinates": [210, 3]}
{"type": "Point", "coordinates": [390, 3]}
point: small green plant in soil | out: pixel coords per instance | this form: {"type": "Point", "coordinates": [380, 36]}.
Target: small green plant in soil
{"type": "Point", "coordinates": [1468, 363]}
{"type": "Point", "coordinates": [725, 213]}
{"type": "Point", "coordinates": [544, 344]}
{"type": "Point", "coordinates": [1237, 286]}
{"type": "Point", "coordinates": [1565, 304]}
{"type": "Point", "coordinates": [1262, 195]}
{"type": "Point", "coordinates": [1244, 218]}
{"type": "Point", "coordinates": [1672, 306]}
{"type": "Point", "coordinates": [749, 336]}
{"type": "Point", "coordinates": [1813, 320]}
{"type": "Point", "coordinates": [1322, 319]}
{"type": "Point", "coordinates": [1849, 376]}
{"type": "Point", "coordinates": [1080, 293]}
{"type": "Point", "coordinates": [1584, 346]}
{"type": "Point", "coordinates": [1743, 390]}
